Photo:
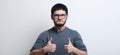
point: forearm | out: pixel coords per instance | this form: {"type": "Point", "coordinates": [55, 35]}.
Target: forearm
{"type": "Point", "coordinates": [38, 52]}
{"type": "Point", "coordinates": [79, 52]}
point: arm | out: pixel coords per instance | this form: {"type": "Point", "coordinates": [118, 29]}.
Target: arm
{"type": "Point", "coordinates": [38, 52]}
{"type": "Point", "coordinates": [79, 52]}
{"type": "Point", "coordinates": [79, 46]}
{"type": "Point", "coordinates": [50, 47]}
{"type": "Point", "coordinates": [69, 48]}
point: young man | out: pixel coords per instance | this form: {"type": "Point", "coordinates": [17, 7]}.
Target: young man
{"type": "Point", "coordinates": [59, 40]}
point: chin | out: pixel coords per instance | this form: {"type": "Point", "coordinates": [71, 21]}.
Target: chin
{"type": "Point", "coordinates": [59, 25]}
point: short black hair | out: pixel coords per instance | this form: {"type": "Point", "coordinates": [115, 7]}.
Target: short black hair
{"type": "Point", "coordinates": [59, 6]}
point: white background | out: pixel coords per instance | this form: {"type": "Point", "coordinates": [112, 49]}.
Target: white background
{"type": "Point", "coordinates": [98, 22]}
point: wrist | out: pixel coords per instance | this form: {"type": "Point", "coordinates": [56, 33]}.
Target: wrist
{"type": "Point", "coordinates": [45, 49]}
{"type": "Point", "coordinates": [74, 49]}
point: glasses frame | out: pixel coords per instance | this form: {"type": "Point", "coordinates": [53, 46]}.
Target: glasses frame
{"type": "Point", "coordinates": [59, 15]}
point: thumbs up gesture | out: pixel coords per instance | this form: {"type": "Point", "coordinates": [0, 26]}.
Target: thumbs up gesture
{"type": "Point", "coordinates": [69, 48]}
{"type": "Point", "coordinates": [50, 47]}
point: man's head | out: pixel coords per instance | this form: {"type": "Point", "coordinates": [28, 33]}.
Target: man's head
{"type": "Point", "coordinates": [59, 13]}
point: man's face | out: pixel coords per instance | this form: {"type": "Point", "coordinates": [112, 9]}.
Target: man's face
{"type": "Point", "coordinates": [59, 17]}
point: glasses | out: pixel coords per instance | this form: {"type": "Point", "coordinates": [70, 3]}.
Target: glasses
{"type": "Point", "coordinates": [59, 15]}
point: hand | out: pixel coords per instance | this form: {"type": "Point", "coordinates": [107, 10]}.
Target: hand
{"type": "Point", "coordinates": [50, 47]}
{"type": "Point", "coordinates": [69, 48]}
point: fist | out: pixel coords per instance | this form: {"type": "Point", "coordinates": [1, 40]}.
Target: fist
{"type": "Point", "coordinates": [50, 47]}
{"type": "Point", "coordinates": [69, 48]}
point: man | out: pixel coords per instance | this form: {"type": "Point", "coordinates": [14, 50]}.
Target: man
{"type": "Point", "coordinates": [59, 40]}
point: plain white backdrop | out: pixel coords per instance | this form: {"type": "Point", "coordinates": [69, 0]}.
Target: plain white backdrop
{"type": "Point", "coordinates": [98, 22]}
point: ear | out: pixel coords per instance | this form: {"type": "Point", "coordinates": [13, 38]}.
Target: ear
{"type": "Point", "coordinates": [66, 16]}
{"type": "Point", "coordinates": [51, 17]}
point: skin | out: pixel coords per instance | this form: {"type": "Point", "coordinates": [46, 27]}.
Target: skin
{"type": "Point", "coordinates": [50, 47]}
{"type": "Point", "coordinates": [59, 19]}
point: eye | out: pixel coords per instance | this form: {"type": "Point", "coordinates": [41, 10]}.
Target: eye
{"type": "Point", "coordinates": [63, 14]}
{"type": "Point", "coordinates": [56, 15]}
{"type": "Point", "coordinates": [59, 15]}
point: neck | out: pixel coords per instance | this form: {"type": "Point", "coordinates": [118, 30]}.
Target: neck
{"type": "Point", "coordinates": [59, 28]}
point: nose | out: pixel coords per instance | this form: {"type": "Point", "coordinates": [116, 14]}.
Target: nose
{"type": "Point", "coordinates": [59, 17]}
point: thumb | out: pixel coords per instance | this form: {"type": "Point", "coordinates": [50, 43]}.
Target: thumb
{"type": "Point", "coordinates": [69, 41]}
{"type": "Point", "coordinates": [50, 41]}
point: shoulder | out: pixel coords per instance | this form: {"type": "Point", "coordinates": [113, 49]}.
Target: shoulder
{"type": "Point", "coordinates": [46, 32]}
{"type": "Point", "coordinates": [72, 31]}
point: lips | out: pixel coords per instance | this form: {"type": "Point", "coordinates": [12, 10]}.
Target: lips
{"type": "Point", "coordinates": [59, 22]}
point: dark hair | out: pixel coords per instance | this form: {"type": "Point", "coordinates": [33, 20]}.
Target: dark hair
{"type": "Point", "coordinates": [59, 6]}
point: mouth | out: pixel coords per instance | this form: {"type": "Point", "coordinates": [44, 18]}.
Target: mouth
{"type": "Point", "coordinates": [59, 22]}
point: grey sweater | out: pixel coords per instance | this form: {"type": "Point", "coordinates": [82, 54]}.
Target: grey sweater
{"type": "Point", "coordinates": [60, 38]}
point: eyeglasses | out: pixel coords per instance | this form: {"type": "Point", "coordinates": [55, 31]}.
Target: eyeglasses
{"type": "Point", "coordinates": [59, 15]}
